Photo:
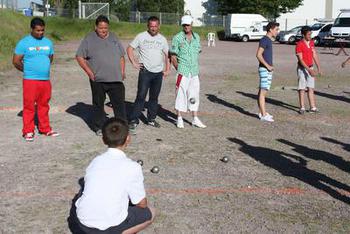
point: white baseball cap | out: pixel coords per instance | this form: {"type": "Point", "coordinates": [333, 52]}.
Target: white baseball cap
{"type": "Point", "coordinates": [186, 19]}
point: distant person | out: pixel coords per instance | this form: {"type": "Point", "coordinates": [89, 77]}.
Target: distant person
{"type": "Point", "coordinates": [307, 55]}
{"type": "Point", "coordinates": [185, 49]}
{"type": "Point", "coordinates": [265, 57]}
{"type": "Point", "coordinates": [110, 182]}
{"type": "Point", "coordinates": [33, 56]}
{"type": "Point", "coordinates": [101, 56]}
{"type": "Point", "coordinates": [153, 65]}
{"type": "Point", "coordinates": [345, 62]}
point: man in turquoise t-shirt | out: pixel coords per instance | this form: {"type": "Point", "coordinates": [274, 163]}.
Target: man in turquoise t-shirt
{"type": "Point", "coordinates": [33, 56]}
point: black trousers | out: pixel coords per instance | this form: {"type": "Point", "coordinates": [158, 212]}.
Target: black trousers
{"type": "Point", "coordinates": [152, 82]}
{"type": "Point", "coordinates": [116, 94]}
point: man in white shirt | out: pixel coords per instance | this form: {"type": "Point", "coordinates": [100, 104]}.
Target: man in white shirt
{"type": "Point", "coordinates": [153, 64]}
{"type": "Point", "coordinates": [111, 181]}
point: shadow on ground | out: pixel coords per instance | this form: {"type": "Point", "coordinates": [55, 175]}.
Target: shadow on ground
{"type": "Point", "coordinates": [344, 145]}
{"type": "Point", "coordinates": [87, 111]}
{"type": "Point", "coordinates": [332, 96]}
{"type": "Point", "coordinates": [215, 99]}
{"type": "Point", "coordinates": [271, 101]}
{"type": "Point", "coordinates": [319, 155]}
{"type": "Point", "coordinates": [294, 166]}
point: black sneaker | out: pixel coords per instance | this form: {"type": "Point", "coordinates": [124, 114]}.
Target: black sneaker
{"type": "Point", "coordinates": [98, 132]}
{"type": "Point", "coordinates": [153, 123]}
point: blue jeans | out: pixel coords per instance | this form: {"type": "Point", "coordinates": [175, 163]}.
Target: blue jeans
{"type": "Point", "coordinates": [147, 81]}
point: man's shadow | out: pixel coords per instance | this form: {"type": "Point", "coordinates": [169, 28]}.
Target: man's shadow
{"type": "Point", "coordinates": [215, 99]}
{"type": "Point", "coordinates": [319, 155]}
{"type": "Point", "coordinates": [344, 145]}
{"type": "Point", "coordinates": [83, 111]}
{"type": "Point", "coordinates": [271, 101]}
{"type": "Point", "coordinates": [334, 97]}
{"type": "Point", "coordinates": [87, 111]}
{"type": "Point", "coordinates": [72, 219]}
{"type": "Point", "coordinates": [294, 166]}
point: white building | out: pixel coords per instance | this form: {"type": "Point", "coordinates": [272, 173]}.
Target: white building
{"type": "Point", "coordinates": [305, 14]}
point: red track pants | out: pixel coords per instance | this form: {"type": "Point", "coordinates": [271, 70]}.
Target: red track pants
{"type": "Point", "coordinates": [36, 96]}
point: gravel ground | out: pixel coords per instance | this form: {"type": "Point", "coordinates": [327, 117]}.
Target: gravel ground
{"type": "Point", "coordinates": [291, 176]}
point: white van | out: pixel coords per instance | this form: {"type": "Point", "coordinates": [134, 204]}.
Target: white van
{"type": "Point", "coordinates": [341, 26]}
{"type": "Point", "coordinates": [245, 27]}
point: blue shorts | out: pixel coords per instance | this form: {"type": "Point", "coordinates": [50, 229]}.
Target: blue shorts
{"type": "Point", "coordinates": [265, 78]}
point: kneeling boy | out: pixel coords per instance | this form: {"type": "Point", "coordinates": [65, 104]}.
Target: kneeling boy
{"type": "Point", "coordinates": [111, 181]}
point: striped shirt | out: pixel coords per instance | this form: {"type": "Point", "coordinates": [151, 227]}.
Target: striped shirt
{"type": "Point", "coordinates": [187, 53]}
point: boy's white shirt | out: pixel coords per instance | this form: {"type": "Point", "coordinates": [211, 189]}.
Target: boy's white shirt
{"type": "Point", "coordinates": [111, 180]}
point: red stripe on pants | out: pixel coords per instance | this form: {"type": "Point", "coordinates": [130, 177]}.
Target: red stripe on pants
{"type": "Point", "coordinates": [178, 81]}
{"type": "Point", "coordinates": [36, 95]}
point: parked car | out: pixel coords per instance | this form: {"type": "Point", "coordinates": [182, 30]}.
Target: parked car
{"type": "Point", "coordinates": [324, 33]}
{"type": "Point", "coordinates": [341, 26]}
{"type": "Point", "coordinates": [245, 27]}
{"type": "Point", "coordinates": [288, 36]}
{"type": "Point", "coordinates": [316, 29]}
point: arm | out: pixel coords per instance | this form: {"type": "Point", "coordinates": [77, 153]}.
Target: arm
{"type": "Point", "coordinates": [51, 58]}
{"type": "Point", "coordinates": [142, 203]}
{"type": "Point", "coordinates": [317, 61]}
{"type": "Point", "coordinates": [85, 66]}
{"type": "Point", "coordinates": [173, 59]}
{"type": "Point", "coordinates": [303, 64]}
{"type": "Point", "coordinates": [122, 66]}
{"type": "Point", "coordinates": [17, 61]}
{"type": "Point", "coordinates": [130, 52]}
{"type": "Point", "coordinates": [259, 56]}
{"type": "Point", "coordinates": [345, 62]}
{"type": "Point", "coordinates": [167, 65]}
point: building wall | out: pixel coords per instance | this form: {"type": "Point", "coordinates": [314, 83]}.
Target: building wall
{"type": "Point", "coordinates": [310, 10]}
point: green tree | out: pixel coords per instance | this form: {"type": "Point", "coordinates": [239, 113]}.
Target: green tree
{"type": "Point", "coordinates": [269, 8]}
{"type": "Point", "coordinates": [174, 6]}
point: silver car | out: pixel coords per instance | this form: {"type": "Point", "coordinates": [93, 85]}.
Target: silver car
{"type": "Point", "coordinates": [288, 36]}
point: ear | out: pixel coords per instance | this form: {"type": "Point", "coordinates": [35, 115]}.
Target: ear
{"type": "Point", "coordinates": [128, 140]}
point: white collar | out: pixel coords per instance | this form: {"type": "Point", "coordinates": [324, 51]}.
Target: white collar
{"type": "Point", "coordinates": [116, 153]}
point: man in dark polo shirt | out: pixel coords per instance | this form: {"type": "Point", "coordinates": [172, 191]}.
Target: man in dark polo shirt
{"type": "Point", "coordinates": [101, 56]}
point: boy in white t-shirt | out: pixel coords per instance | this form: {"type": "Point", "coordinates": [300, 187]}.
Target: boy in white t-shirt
{"type": "Point", "coordinates": [112, 181]}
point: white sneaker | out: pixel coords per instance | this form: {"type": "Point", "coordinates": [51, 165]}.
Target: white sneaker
{"type": "Point", "coordinates": [180, 123]}
{"type": "Point", "coordinates": [197, 123]}
{"type": "Point", "coordinates": [267, 118]}
{"type": "Point", "coordinates": [267, 114]}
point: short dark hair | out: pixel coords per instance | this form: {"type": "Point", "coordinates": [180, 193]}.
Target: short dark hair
{"type": "Point", "coordinates": [101, 18]}
{"type": "Point", "coordinates": [37, 22]}
{"type": "Point", "coordinates": [153, 18]}
{"type": "Point", "coordinates": [305, 30]}
{"type": "Point", "coordinates": [271, 25]}
{"type": "Point", "coordinates": [115, 132]}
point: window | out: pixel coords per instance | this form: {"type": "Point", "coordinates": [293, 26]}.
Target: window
{"type": "Point", "coordinates": [342, 22]}
{"type": "Point", "coordinates": [327, 28]}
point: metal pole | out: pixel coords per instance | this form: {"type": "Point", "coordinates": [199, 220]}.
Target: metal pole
{"type": "Point", "coordinates": [286, 25]}
{"type": "Point", "coordinates": [160, 17]}
{"type": "Point", "coordinates": [79, 6]}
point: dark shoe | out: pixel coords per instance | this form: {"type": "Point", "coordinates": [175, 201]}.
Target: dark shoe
{"type": "Point", "coordinates": [98, 132]}
{"type": "Point", "coordinates": [153, 123]}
